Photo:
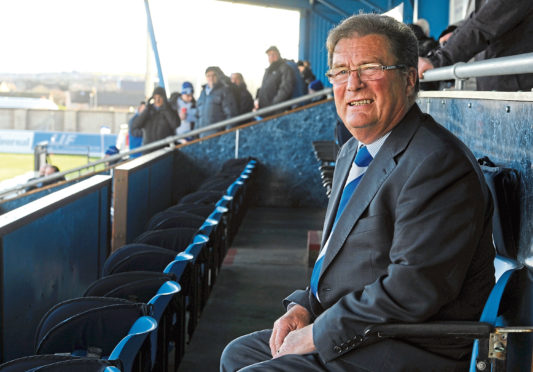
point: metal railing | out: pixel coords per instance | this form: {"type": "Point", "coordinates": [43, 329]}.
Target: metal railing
{"type": "Point", "coordinates": [517, 64]}
{"type": "Point", "coordinates": [172, 140]}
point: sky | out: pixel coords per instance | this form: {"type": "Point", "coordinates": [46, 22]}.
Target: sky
{"type": "Point", "coordinates": [109, 36]}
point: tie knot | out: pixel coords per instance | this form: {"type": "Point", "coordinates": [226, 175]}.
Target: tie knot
{"type": "Point", "coordinates": [363, 157]}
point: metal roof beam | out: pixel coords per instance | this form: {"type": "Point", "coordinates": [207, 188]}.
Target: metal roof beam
{"type": "Point", "coordinates": [334, 8]}
{"type": "Point", "coordinates": [372, 5]}
{"type": "Point", "coordinates": [282, 4]}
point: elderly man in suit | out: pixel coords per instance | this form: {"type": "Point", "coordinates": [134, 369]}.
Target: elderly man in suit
{"type": "Point", "coordinates": [407, 234]}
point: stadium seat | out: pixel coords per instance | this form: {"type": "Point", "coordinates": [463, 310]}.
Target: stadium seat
{"type": "Point", "coordinates": [169, 219]}
{"type": "Point", "coordinates": [122, 357]}
{"type": "Point", "coordinates": [137, 286]}
{"type": "Point", "coordinates": [86, 325]}
{"type": "Point", "coordinates": [176, 238]}
{"type": "Point", "coordinates": [138, 257]}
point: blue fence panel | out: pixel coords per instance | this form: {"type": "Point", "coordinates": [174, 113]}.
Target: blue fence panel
{"type": "Point", "coordinates": [290, 175]}
{"type": "Point", "coordinates": [502, 130]}
{"type": "Point", "coordinates": [51, 250]}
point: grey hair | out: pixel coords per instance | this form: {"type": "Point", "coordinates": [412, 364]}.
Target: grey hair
{"type": "Point", "coordinates": [402, 41]}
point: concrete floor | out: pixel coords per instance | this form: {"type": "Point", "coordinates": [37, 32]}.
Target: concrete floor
{"type": "Point", "coordinates": [265, 263]}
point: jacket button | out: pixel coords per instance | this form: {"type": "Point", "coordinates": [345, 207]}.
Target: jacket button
{"type": "Point", "coordinates": [337, 349]}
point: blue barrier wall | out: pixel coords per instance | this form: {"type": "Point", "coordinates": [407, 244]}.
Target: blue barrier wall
{"type": "Point", "coordinates": [50, 250]}
{"type": "Point", "coordinates": [152, 186]}
{"type": "Point", "coordinates": [501, 129]}
{"type": "Point", "coordinates": [289, 175]}
{"type": "Point", "coordinates": [10, 204]}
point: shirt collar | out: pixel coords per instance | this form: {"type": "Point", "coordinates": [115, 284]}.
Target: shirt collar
{"type": "Point", "coordinates": [375, 146]}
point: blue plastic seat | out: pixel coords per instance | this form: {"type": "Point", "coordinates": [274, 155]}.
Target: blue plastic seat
{"type": "Point", "coordinates": [122, 357]}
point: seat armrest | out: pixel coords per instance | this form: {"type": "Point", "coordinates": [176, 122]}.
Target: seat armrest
{"type": "Point", "coordinates": [455, 329]}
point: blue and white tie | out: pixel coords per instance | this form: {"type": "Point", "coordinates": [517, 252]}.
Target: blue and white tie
{"type": "Point", "coordinates": [361, 162]}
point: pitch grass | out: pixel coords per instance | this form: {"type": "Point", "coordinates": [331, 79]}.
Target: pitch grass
{"type": "Point", "coordinates": [12, 165]}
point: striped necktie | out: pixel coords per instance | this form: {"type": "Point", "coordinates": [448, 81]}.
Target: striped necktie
{"type": "Point", "coordinates": [361, 162]}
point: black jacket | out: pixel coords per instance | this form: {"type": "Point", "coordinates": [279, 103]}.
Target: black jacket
{"type": "Point", "coordinates": [246, 101]}
{"type": "Point", "coordinates": [499, 28]}
{"type": "Point", "coordinates": [156, 123]}
{"type": "Point", "coordinates": [278, 84]}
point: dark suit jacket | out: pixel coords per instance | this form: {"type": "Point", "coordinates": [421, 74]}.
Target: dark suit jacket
{"type": "Point", "coordinates": [413, 243]}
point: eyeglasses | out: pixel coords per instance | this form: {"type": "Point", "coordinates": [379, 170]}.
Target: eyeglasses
{"type": "Point", "coordinates": [366, 72]}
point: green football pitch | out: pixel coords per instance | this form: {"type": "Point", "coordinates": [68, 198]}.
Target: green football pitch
{"type": "Point", "coordinates": [13, 165]}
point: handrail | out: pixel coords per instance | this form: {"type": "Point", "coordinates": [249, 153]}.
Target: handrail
{"type": "Point", "coordinates": [517, 64]}
{"type": "Point", "coordinates": [172, 139]}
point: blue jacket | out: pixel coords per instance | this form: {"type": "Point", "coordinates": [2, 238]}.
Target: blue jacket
{"type": "Point", "coordinates": [216, 106]}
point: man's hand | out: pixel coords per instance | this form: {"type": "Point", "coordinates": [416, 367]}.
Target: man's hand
{"type": "Point", "coordinates": [298, 342]}
{"type": "Point", "coordinates": [297, 317]}
{"type": "Point", "coordinates": [423, 65]}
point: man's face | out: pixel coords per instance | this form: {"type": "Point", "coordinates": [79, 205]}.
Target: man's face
{"type": "Point", "coordinates": [211, 78]}
{"type": "Point", "coordinates": [49, 170]}
{"type": "Point", "coordinates": [186, 97]}
{"type": "Point", "coordinates": [235, 79]}
{"type": "Point", "coordinates": [372, 108]}
{"type": "Point", "coordinates": [273, 56]}
{"type": "Point", "coordinates": [158, 100]}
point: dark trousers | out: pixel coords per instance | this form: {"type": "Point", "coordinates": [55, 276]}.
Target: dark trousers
{"type": "Point", "coordinates": [252, 353]}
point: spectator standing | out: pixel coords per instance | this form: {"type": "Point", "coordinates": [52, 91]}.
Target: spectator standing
{"type": "Point", "coordinates": [216, 102]}
{"type": "Point", "coordinates": [158, 120]}
{"type": "Point", "coordinates": [299, 88]}
{"type": "Point", "coordinates": [186, 106]}
{"type": "Point", "coordinates": [498, 28]}
{"type": "Point", "coordinates": [278, 81]}
{"type": "Point", "coordinates": [135, 135]}
{"type": "Point", "coordinates": [425, 45]}
{"type": "Point", "coordinates": [246, 101]}
{"type": "Point", "coordinates": [305, 72]}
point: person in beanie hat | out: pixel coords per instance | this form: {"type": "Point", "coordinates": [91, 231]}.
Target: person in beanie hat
{"type": "Point", "coordinates": [158, 120]}
{"type": "Point", "coordinates": [186, 106]}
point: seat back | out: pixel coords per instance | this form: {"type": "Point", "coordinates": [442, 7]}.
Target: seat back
{"type": "Point", "coordinates": [150, 259]}
{"type": "Point", "coordinates": [176, 238]}
{"type": "Point", "coordinates": [100, 327]}
{"type": "Point", "coordinates": [128, 348]}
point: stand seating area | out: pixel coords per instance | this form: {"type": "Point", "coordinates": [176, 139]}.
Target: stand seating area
{"type": "Point", "coordinates": [145, 307]}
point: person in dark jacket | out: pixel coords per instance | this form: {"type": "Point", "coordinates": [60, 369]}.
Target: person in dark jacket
{"type": "Point", "coordinates": [158, 120]}
{"type": "Point", "coordinates": [306, 72]}
{"type": "Point", "coordinates": [278, 81]}
{"type": "Point", "coordinates": [136, 135]}
{"type": "Point", "coordinates": [497, 27]}
{"type": "Point", "coordinates": [246, 101]}
{"type": "Point", "coordinates": [216, 102]}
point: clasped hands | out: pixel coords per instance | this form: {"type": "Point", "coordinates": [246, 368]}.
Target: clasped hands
{"type": "Point", "coordinates": [292, 333]}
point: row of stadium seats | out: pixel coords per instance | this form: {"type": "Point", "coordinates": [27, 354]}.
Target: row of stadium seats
{"type": "Point", "coordinates": [326, 154]}
{"type": "Point", "coordinates": [148, 301]}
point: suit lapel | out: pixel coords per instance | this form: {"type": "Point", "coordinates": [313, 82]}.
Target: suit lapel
{"type": "Point", "coordinates": [377, 172]}
{"type": "Point", "coordinates": [342, 168]}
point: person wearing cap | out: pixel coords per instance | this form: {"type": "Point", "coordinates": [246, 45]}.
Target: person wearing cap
{"type": "Point", "coordinates": [158, 120]}
{"type": "Point", "coordinates": [278, 81]}
{"type": "Point", "coordinates": [217, 101]}
{"type": "Point", "coordinates": [186, 107]}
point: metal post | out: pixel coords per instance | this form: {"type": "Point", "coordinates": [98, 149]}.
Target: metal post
{"type": "Point", "coordinates": [237, 143]}
{"type": "Point", "coordinates": [154, 43]}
